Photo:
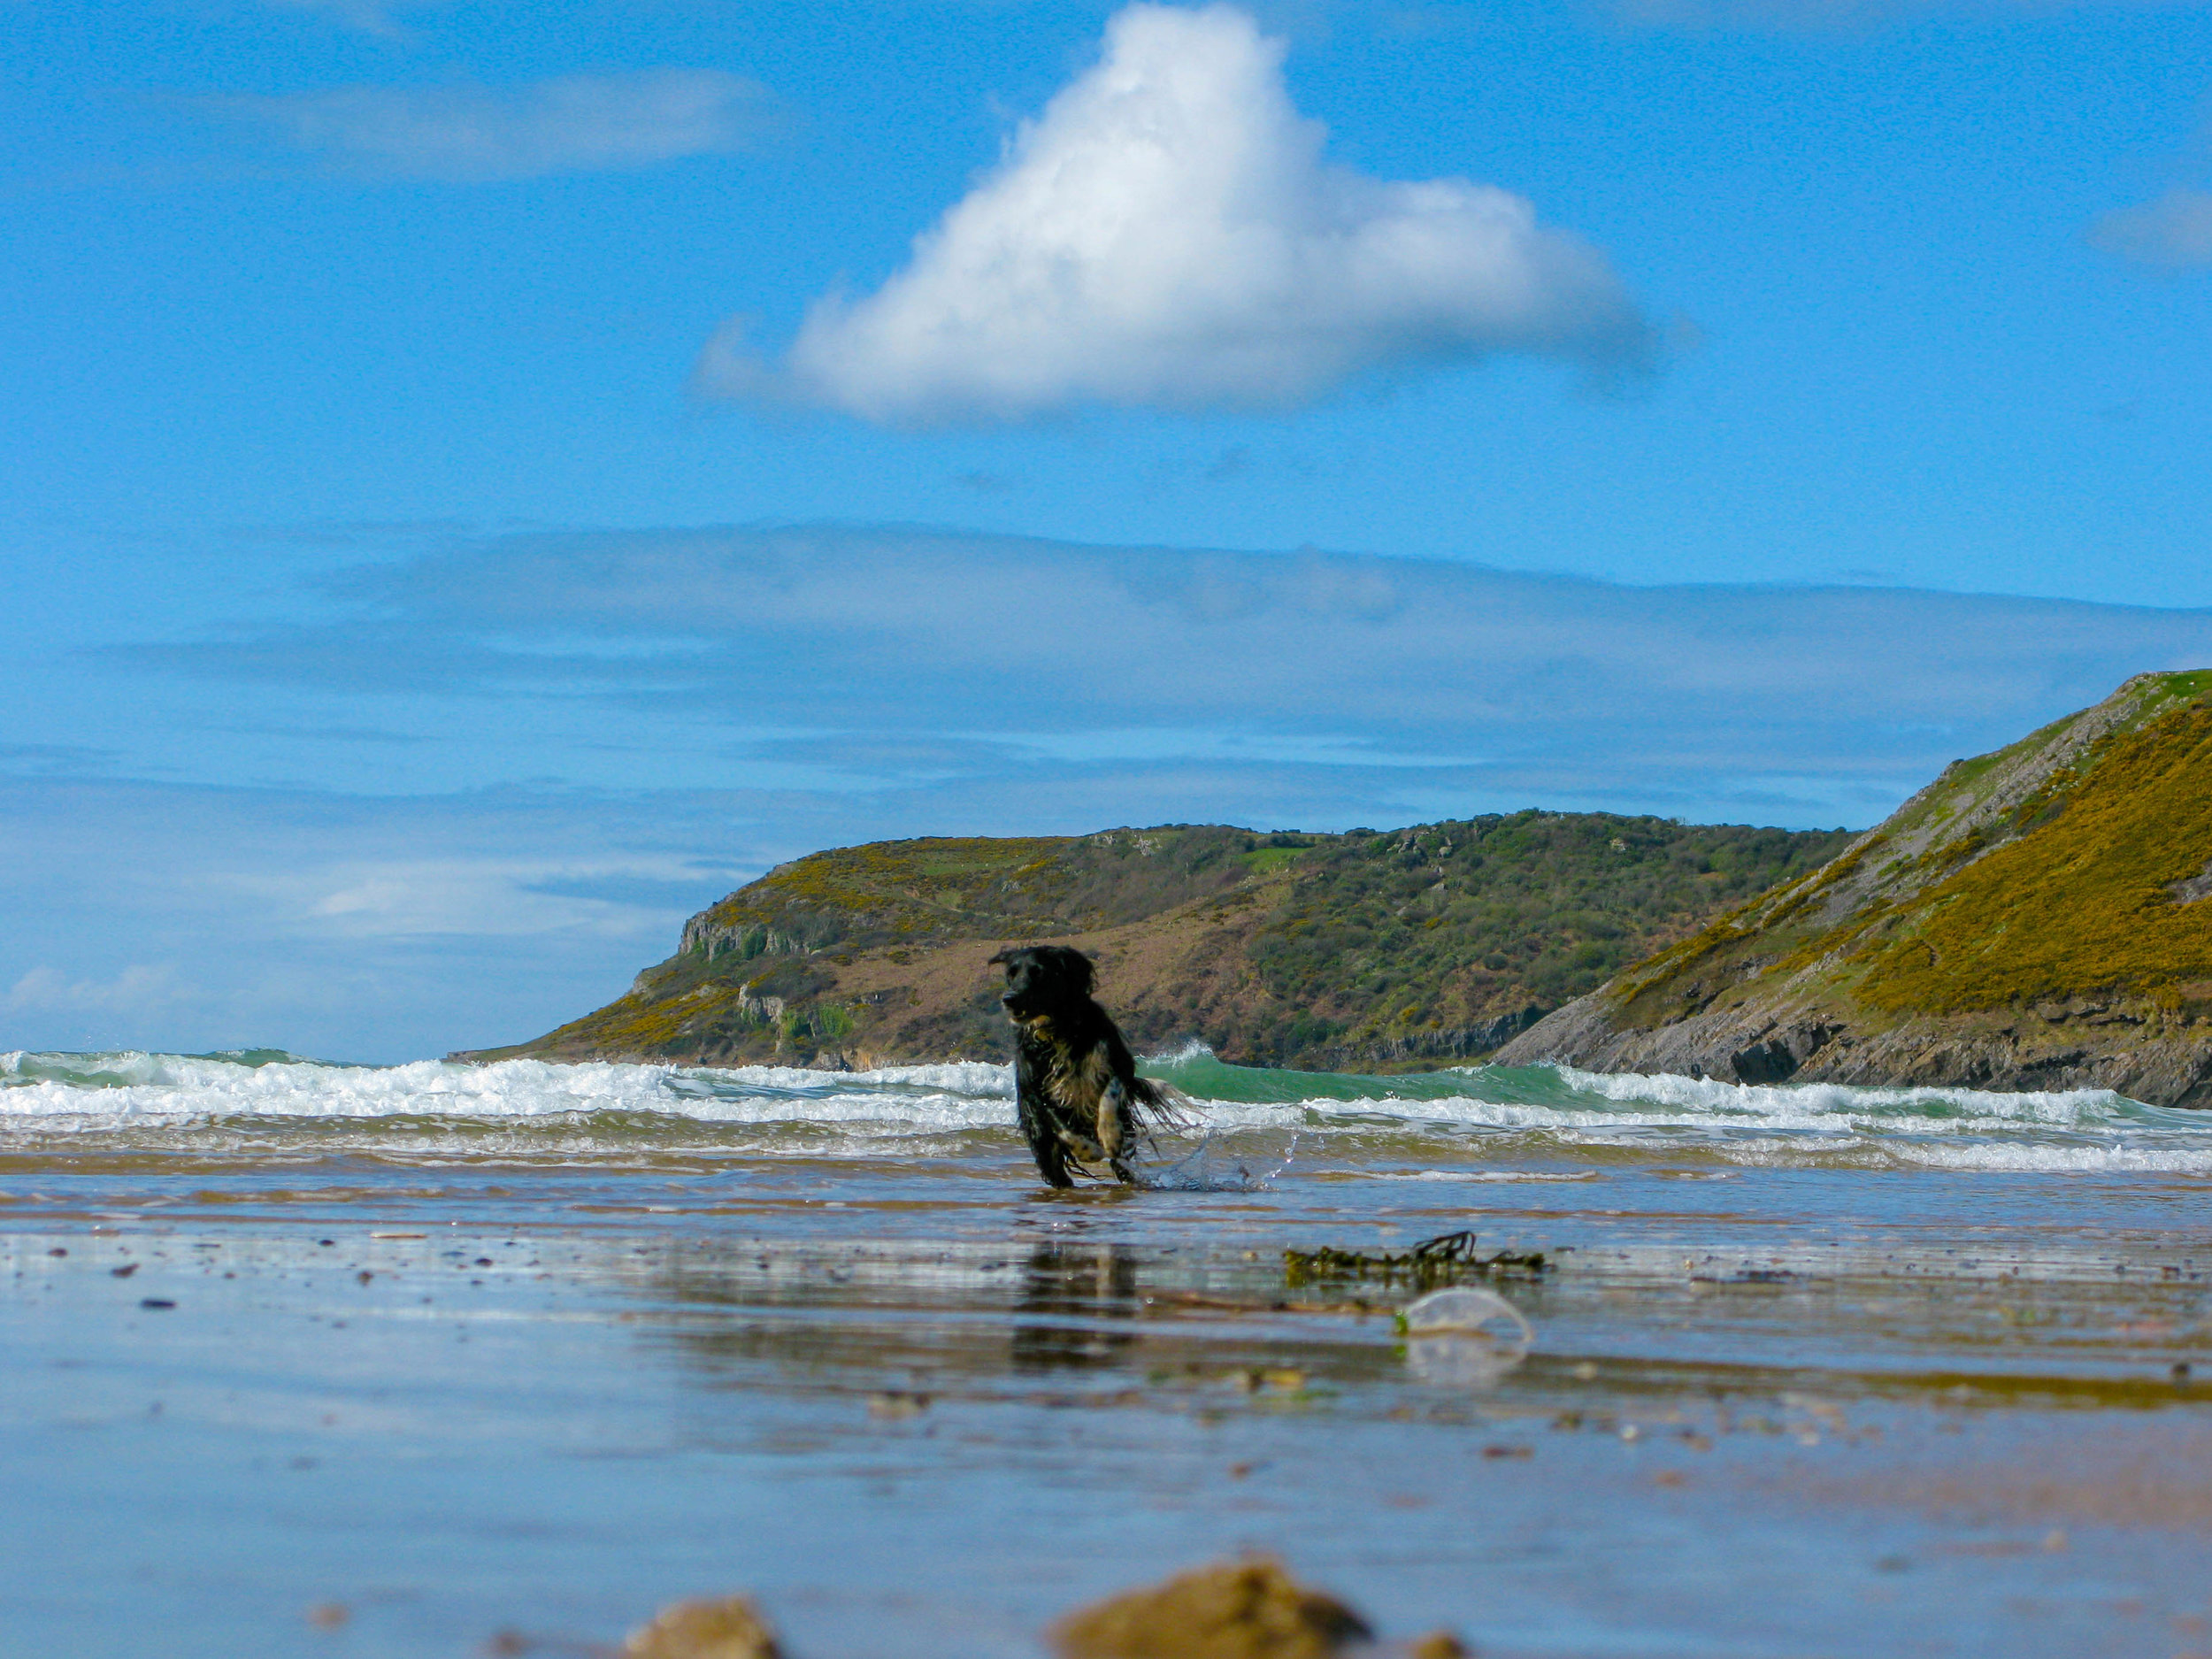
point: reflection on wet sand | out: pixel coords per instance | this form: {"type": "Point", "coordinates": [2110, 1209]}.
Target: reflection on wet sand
{"type": "Point", "coordinates": [1075, 1305]}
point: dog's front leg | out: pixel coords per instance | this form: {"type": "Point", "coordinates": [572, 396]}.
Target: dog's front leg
{"type": "Point", "coordinates": [1031, 1102]}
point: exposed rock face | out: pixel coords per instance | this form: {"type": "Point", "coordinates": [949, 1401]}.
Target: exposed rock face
{"type": "Point", "coordinates": [2032, 919]}
{"type": "Point", "coordinates": [1410, 948]}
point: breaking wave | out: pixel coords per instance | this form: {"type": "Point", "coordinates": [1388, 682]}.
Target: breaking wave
{"type": "Point", "coordinates": [1542, 1122]}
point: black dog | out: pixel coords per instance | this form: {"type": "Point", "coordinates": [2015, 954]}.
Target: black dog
{"type": "Point", "coordinates": [1075, 1085]}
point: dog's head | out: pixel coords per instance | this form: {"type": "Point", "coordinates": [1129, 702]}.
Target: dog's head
{"type": "Point", "coordinates": [1043, 980]}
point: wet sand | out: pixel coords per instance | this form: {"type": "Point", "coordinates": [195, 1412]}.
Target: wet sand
{"type": "Point", "coordinates": [479, 1399]}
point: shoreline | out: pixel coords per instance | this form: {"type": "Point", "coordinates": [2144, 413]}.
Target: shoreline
{"type": "Point", "coordinates": [917, 1408]}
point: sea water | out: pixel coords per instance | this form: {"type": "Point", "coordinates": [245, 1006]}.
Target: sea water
{"type": "Point", "coordinates": [300, 1357]}
{"type": "Point", "coordinates": [268, 1103]}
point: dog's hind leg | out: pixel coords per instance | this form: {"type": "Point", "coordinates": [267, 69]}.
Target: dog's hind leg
{"type": "Point", "coordinates": [1113, 1110]}
{"type": "Point", "coordinates": [1115, 1118]}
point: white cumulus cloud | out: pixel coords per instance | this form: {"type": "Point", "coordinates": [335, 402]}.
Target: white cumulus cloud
{"type": "Point", "coordinates": [1168, 232]}
{"type": "Point", "coordinates": [476, 133]}
{"type": "Point", "coordinates": [2173, 232]}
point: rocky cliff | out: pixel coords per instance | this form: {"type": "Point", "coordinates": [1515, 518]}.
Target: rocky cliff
{"type": "Point", "coordinates": [2036, 918]}
{"type": "Point", "coordinates": [1410, 947]}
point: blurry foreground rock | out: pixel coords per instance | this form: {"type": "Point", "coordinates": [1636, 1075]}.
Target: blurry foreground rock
{"type": "Point", "coordinates": [729, 1628]}
{"type": "Point", "coordinates": [1243, 1609]}
{"type": "Point", "coordinates": [1240, 1610]}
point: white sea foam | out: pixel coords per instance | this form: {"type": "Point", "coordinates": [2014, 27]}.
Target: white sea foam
{"type": "Point", "coordinates": [149, 1086]}
{"type": "Point", "coordinates": [1814, 1103]}
{"type": "Point", "coordinates": [1995, 1156]}
{"type": "Point", "coordinates": [1497, 1177]}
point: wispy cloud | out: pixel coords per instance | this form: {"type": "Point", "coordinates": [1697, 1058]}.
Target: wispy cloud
{"type": "Point", "coordinates": [837, 659]}
{"type": "Point", "coordinates": [367, 15]}
{"type": "Point", "coordinates": [895, 756]}
{"type": "Point", "coordinates": [788, 690]}
{"type": "Point", "coordinates": [477, 896]}
{"type": "Point", "coordinates": [1849, 16]}
{"type": "Point", "coordinates": [354, 928]}
{"type": "Point", "coordinates": [2172, 234]}
{"type": "Point", "coordinates": [466, 133]}
{"type": "Point", "coordinates": [1168, 232]}
{"type": "Point", "coordinates": [57, 760]}
{"type": "Point", "coordinates": [136, 990]}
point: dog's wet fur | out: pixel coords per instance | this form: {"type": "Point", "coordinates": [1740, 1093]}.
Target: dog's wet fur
{"type": "Point", "coordinates": [1076, 1085]}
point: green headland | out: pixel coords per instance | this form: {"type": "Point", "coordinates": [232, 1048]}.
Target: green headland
{"type": "Point", "coordinates": [2034, 918]}
{"type": "Point", "coordinates": [1392, 949]}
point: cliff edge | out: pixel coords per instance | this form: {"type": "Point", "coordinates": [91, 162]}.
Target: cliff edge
{"type": "Point", "coordinates": [2035, 918]}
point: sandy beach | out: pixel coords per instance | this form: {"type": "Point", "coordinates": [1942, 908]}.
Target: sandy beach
{"type": "Point", "coordinates": [404, 1382]}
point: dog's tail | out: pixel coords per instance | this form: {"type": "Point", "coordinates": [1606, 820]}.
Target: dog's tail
{"type": "Point", "coordinates": [1161, 1105]}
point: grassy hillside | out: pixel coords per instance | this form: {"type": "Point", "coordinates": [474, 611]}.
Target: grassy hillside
{"type": "Point", "coordinates": [2035, 918]}
{"type": "Point", "coordinates": [1411, 946]}
{"type": "Point", "coordinates": [2088, 898]}
{"type": "Point", "coordinates": [2054, 867]}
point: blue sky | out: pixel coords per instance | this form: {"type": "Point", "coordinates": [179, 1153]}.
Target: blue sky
{"type": "Point", "coordinates": [482, 480]}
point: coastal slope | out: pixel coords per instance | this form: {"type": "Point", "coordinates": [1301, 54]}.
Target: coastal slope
{"type": "Point", "coordinates": [1369, 950]}
{"type": "Point", "coordinates": [2035, 918]}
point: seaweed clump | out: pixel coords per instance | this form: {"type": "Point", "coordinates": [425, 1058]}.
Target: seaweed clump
{"type": "Point", "coordinates": [1445, 1260]}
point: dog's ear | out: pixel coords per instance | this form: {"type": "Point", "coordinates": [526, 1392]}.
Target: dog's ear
{"type": "Point", "coordinates": [1003, 957]}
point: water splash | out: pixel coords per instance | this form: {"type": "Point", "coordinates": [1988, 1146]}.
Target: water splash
{"type": "Point", "coordinates": [1210, 1167]}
